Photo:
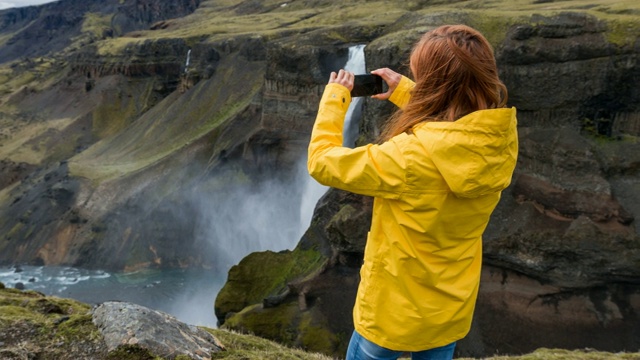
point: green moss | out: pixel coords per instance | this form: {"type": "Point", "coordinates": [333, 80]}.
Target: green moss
{"type": "Point", "coordinates": [314, 334]}
{"type": "Point", "coordinates": [183, 357]}
{"type": "Point", "coordinates": [119, 108]}
{"type": "Point", "coordinates": [561, 354]}
{"type": "Point", "coordinates": [244, 346]}
{"type": "Point", "coordinates": [262, 274]}
{"type": "Point", "coordinates": [623, 30]}
{"type": "Point", "coordinates": [288, 325]}
{"type": "Point", "coordinates": [494, 25]}
{"type": "Point", "coordinates": [271, 323]}
{"type": "Point", "coordinates": [131, 352]}
{"type": "Point", "coordinates": [78, 327]}
{"type": "Point", "coordinates": [14, 313]}
{"type": "Point", "coordinates": [95, 23]}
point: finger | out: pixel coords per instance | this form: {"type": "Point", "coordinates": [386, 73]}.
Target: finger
{"type": "Point", "coordinates": [382, 96]}
{"type": "Point", "coordinates": [389, 76]}
{"type": "Point", "coordinates": [349, 81]}
{"type": "Point", "coordinates": [348, 76]}
{"type": "Point", "coordinates": [383, 73]}
{"type": "Point", "coordinates": [332, 77]}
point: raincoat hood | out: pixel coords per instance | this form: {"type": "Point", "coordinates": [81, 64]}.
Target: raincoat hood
{"type": "Point", "coordinates": [475, 154]}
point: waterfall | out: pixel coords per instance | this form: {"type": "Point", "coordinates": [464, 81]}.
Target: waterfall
{"type": "Point", "coordinates": [356, 65]}
{"type": "Point", "coordinates": [186, 65]}
{"type": "Point", "coordinates": [313, 191]}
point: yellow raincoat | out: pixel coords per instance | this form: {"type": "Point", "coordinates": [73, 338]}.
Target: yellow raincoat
{"type": "Point", "coordinates": [434, 191]}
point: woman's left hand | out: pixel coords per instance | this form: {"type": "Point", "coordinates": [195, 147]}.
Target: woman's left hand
{"type": "Point", "coordinates": [343, 77]}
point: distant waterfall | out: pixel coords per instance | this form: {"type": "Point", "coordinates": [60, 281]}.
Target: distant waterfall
{"type": "Point", "coordinates": [312, 190]}
{"type": "Point", "coordinates": [186, 64]}
{"type": "Point", "coordinates": [356, 65]}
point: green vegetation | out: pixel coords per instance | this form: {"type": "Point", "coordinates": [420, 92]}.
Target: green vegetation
{"type": "Point", "coordinates": [58, 328]}
{"type": "Point", "coordinates": [132, 352]}
{"type": "Point", "coordinates": [623, 30]}
{"type": "Point", "coordinates": [171, 125]}
{"type": "Point", "coordinates": [216, 20]}
{"type": "Point", "coordinates": [243, 346]}
{"type": "Point", "coordinates": [40, 324]}
{"type": "Point", "coordinates": [95, 24]}
{"type": "Point", "coordinates": [560, 354]}
{"type": "Point", "coordinates": [264, 274]}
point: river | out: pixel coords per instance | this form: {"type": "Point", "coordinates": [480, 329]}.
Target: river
{"type": "Point", "coordinates": [187, 294]}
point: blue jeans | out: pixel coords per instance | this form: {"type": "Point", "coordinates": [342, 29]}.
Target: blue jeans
{"type": "Point", "coordinates": [363, 349]}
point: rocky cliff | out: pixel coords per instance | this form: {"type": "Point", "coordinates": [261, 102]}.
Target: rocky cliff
{"type": "Point", "coordinates": [116, 128]}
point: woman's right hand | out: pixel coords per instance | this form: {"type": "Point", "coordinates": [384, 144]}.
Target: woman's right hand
{"type": "Point", "coordinates": [392, 79]}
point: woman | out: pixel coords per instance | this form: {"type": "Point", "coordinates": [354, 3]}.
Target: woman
{"type": "Point", "coordinates": [436, 176]}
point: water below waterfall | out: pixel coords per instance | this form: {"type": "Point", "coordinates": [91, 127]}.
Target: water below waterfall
{"type": "Point", "coordinates": [239, 222]}
{"type": "Point", "coordinates": [187, 294]}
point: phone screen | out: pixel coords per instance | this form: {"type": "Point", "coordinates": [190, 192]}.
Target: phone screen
{"type": "Point", "coordinates": [366, 85]}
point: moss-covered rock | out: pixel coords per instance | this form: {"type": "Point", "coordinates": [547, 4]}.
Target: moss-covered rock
{"type": "Point", "coordinates": [264, 274]}
{"type": "Point", "coordinates": [31, 323]}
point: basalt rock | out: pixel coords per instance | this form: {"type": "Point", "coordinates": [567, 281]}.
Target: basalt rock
{"type": "Point", "coordinates": [125, 324]}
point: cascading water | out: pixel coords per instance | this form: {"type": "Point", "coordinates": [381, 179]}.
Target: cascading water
{"type": "Point", "coordinates": [312, 190]}
{"type": "Point", "coordinates": [186, 64]}
{"type": "Point", "coordinates": [355, 64]}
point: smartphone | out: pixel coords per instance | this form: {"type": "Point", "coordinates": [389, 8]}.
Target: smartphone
{"type": "Point", "coordinates": [366, 85]}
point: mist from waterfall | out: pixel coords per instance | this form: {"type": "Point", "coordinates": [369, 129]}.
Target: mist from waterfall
{"type": "Point", "coordinates": [274, 214]}
{"type": "Point", "coordinates": [271, 215]}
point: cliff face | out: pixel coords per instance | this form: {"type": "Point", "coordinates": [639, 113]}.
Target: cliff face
{"type": "Point", "coordinates": [112, 138]}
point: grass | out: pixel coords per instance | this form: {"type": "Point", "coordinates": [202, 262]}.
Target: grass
{"type": "Point", "coordinates": [243, 346]}
{"type": "Point", "coordinates": [561, 354]}
{"type": "Point", "coordinates": [36, 318]}
{"type": "Point", "coordinates": [215, 20]}
{"type": "Point", "coordinates": [19, 147]}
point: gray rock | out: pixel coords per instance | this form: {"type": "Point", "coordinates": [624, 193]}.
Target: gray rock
{"type": "Point", "coordinates": [123, 323]}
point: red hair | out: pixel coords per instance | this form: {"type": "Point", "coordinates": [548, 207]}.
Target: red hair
{"type": "Point", "coordinates": [455, 73]}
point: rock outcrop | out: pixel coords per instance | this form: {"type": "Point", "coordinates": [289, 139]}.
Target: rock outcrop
{"type": "Point", "coordinates": [163, 335]}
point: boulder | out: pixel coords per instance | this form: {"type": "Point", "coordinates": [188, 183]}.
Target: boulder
{"type": "Point", "coordinates": [125, 324]}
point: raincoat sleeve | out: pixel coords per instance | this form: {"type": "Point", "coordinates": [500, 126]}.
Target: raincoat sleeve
{"type": "Point", "coordinates": [401, 95]}
{"type": "Point", "coordinates": [373, 170]}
